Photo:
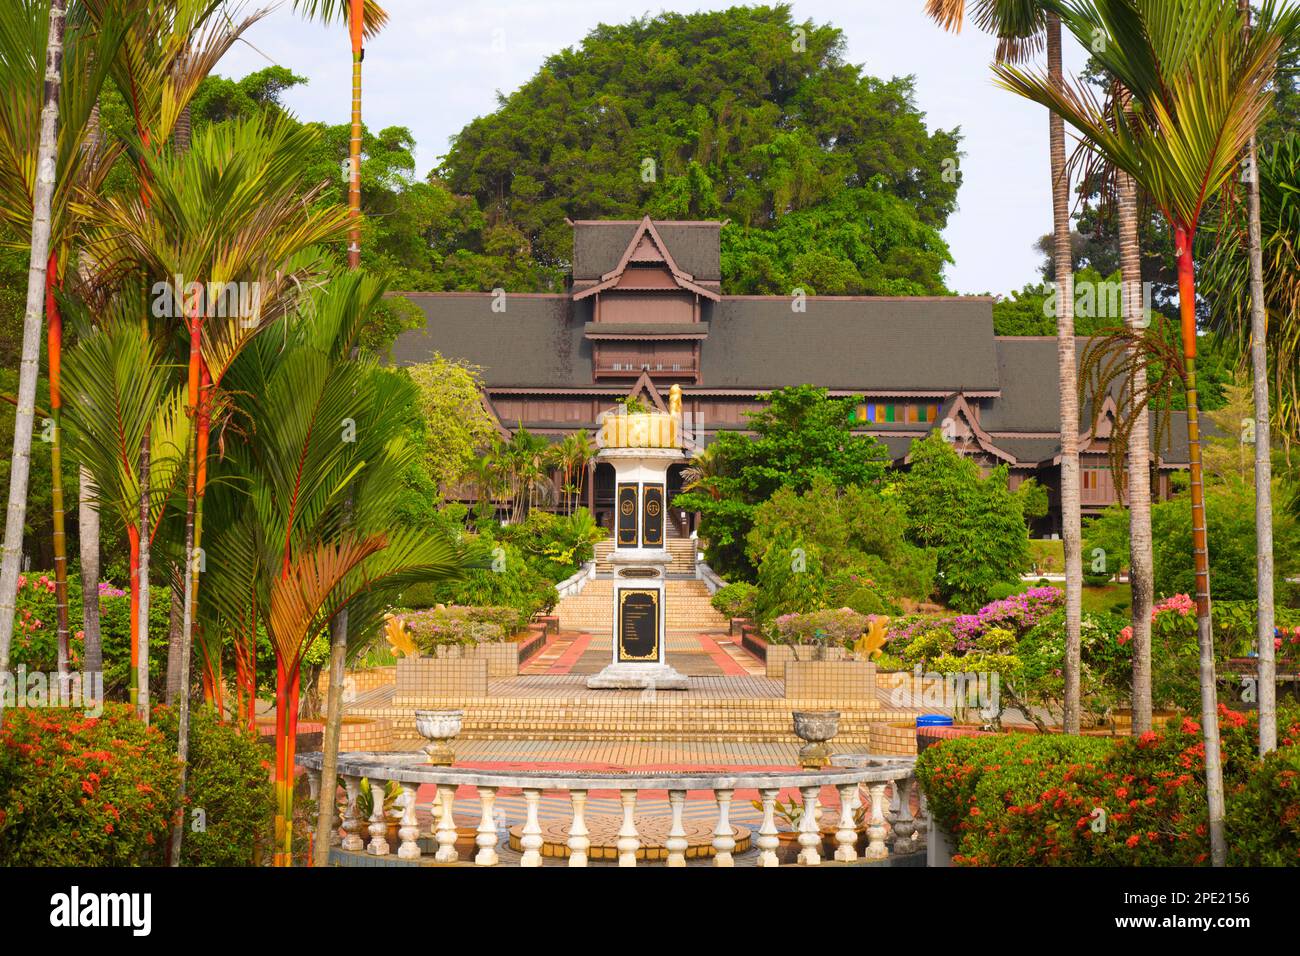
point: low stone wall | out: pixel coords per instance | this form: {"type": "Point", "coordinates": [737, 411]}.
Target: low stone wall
{"type": "Point", "coordinates": [359, 681]}
{"type": "Point", "coordinates": [776, 657]}
{"type": "Point", "coordinates": [894, 740]}
{"type": "Point", "coordinates": [365, 733]}
{"type": "Point", "coordinates": [502, 656]}
{"type": "Point", "coordinates": [425, 678]}
{"type": "Point", "coordinates": [831, 680]}
{"type": "Point", "coordinates": [537, 636]}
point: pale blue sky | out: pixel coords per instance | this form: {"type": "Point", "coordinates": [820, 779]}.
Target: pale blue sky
{"type": "Point", "coordinates": [440, 64]}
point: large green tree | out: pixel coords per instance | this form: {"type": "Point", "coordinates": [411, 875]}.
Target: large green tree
{"type": "Point", "coordinates": [742, 114]}
{"type": "Point", "coordinates": [974, 522]}
{"type": "Point", "coordinates": [800, 435]}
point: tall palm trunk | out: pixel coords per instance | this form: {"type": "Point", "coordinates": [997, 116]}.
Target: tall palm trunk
{"type": "Point", "coordinates": [174, 621]}
{"type": "Point", "coordinates": [29, 366]}
{"type": "Point", "coordinates": [88, 544]}
{"type": "Point", "coordinates": [1200, 551]}
{"type": "Point", "coordinates": [142, 584]}
{"type": "Point", "coordinates": [54, 354]}
{"type": "Point", "coordinates": [1071, 521]}
{"type": "Point", "coordinates": [339, 626]}
{"type": "Point", "coordinates": [1141, 576]}
{"type": "Point", "coordinates": [1264, 622]}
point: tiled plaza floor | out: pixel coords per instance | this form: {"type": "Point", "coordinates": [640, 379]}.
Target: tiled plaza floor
{"type": "Point", "coordinates": [694, 654]}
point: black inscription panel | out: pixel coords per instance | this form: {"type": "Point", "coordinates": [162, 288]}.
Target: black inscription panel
{"type": "Point", "coordinates": [652, 516]}
{"type": "Point", "coordinates": [638, 625]}
{"type": "Point", "coordinates": [627, 516]}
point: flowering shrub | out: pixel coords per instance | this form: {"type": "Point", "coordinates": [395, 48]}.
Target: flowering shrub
{"type": "Point", "coordinates": [826, 628]}
{"type": "Point", "coordinates": [35, 641]}
{"type": "Point", "coordinates": [83, 791]}
{"type": "Point", "coordinates": [464, 626]}
{"type": "Point", "coordinates": [1022, 799]}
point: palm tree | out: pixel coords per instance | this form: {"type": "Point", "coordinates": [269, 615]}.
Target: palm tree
{"type": "Point", "coordinates": [364, 18]}
{"type": "Point", "coordinates": [320, 507]}
{"type": "Point", "coordinates": [1200, 85]}
{"type": "Point", "coordinates": [1229, 276]}
{"type": "Point", "coordinates": [703, 471]}
{"type": "Point", "coordinates": [34, 195]}
{"type": "Point", "coordinates": [1141, 575]}
{"type": "Point", "coordinates": [168, 47]}
{"type": "Point", "coordinates": [1264, 616]}
{"type": "Point", "coordinates": [1021, 27]}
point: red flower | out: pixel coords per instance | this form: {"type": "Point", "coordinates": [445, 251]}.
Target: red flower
{"type": "Point", "coordinates": [1132, 841]}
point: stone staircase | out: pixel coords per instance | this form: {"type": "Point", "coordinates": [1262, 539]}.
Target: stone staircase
{"type": "Point", "coordinates": [681, 549]}
{"type": "Point", "coordinates": [687, 604]}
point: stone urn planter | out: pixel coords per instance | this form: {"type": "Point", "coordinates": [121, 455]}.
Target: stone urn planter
{"type": "Point", "coordinates": [815, 728]}
{"type": "Point", "coordinates": [440, 728]}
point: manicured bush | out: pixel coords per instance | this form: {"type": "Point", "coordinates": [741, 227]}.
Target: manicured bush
{"type": "Point", "coordinates": [83, 791]}
{"type": "Point", "coordinates": [229, 801]}
{"type": "Point", "coordinates": [1052, 799]}
{"type": "Point", "coordinates": [735, 600]}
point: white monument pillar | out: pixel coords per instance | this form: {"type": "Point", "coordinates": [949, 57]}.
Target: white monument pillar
{"type": "Point", "coordinates": [641, 446]}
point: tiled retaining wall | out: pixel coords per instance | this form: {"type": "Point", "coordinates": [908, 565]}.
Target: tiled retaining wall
{"type": "Point", "coordinates": [888, 739]}
{"type": "Point", "coordinates": [371, 734]}
{"type": "Point", "coordinates": [421, 679]}
{"type": "Point", "coordinates": [832, 680]}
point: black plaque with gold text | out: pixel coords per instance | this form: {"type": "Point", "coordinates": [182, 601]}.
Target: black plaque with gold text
{"type": "Point", "coordinates": [652, 516]}
{"type": "Point", "coordinates": [627, 516]}
{"type": "Point", "coordinates": [638, 625]}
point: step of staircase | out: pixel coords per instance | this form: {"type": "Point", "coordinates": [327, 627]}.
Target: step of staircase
{"type": "Point", "coordinates": [686, 605]}
{"type": "Point", "coordinates": [666, 716]}
{"type": "Point", "coordinates": [681, 549]}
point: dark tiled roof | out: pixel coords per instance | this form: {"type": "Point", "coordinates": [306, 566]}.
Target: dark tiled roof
{"type": "Point", "coordinates": [647, 329]}
{"type": "Point", "coordinates": [535, 342]}
{"type": "Point", "coordinates": [860, 344]}
{"type": "Point", "coordinates": [695, 247]}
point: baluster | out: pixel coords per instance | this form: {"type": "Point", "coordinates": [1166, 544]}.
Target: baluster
{"type": "Point", "coordinates": [847, 835]}
{"type": "Point", "coordinates": [313, 786]}
{"type": "Point", "coordinates": [352, 816]}
{"type": "Point", "coordinates": [724, 839]}
{"type": "Point", "coordinates": [904, 824]}
{"type": "Point", "coordinates": [578, 833]}
{"type": "Point", "coordinates": [446, 830]}
{"type": "Point", "coordinates": [531, 837]}
{"type": "Point", "coordinates": [410, 828]}
{"type": "Point", "coordinates": [378, 845]}
{"type": "Point", "coordinates": [628, 839]}
{"type": "Point", "coordinates": [768, 841]}
{"type": "Point", "coordinates": [810, 837]}
{"type": "Point", "coordinates": [676, 842]}
{"type": "Point", "coordinates": [876, 824]}
{"type": "Point", "coordinates": [487, 831]}
{"type": "Point", "coordinates": [336, 822]}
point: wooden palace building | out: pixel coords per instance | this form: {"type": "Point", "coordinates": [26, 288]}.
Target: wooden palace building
{"type": "Point", "coordinates": [645, 311]}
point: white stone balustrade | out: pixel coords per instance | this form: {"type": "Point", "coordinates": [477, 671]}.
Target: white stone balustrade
{"type": "Point", "coordinates": [882, 787]}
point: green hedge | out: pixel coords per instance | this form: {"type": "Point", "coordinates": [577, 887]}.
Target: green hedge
{"type": "Point", "coordinates": [229, 798]}
{"type": "Point", "coordinates": [1035, 800]}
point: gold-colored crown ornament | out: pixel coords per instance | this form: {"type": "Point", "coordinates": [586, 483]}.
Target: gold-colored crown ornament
{"type": "Point", "coordinates": [622, 429]}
